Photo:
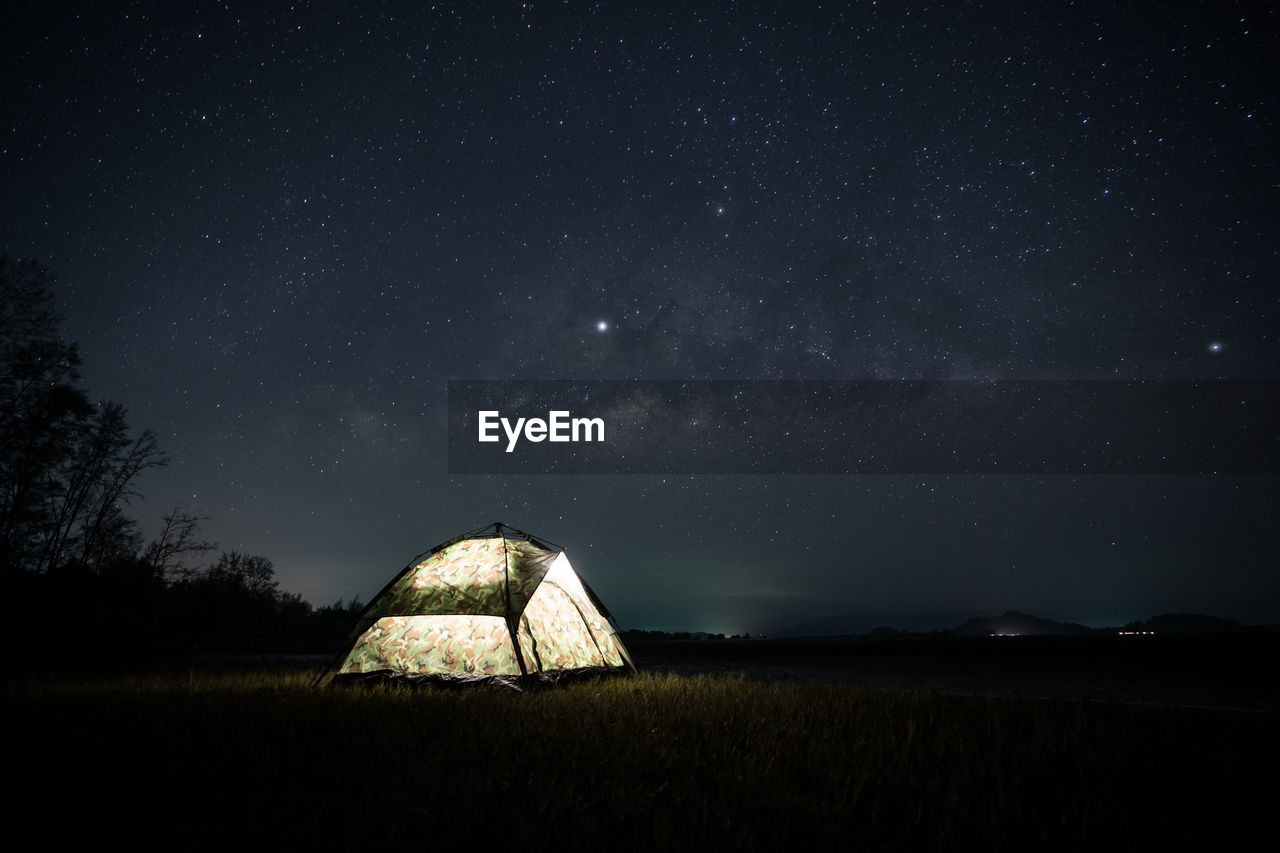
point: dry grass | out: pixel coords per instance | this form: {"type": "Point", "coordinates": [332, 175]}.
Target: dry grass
{"type": "Point", "coordinates": [256, 757]}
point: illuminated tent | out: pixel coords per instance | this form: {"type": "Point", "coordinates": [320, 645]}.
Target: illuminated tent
{"type": "Point", "coordinates": [495, 604]}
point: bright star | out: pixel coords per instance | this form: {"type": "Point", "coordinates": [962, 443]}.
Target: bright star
{"type": "Point", "coordinates": [602, 326]}
{"type": "Point", "coordinates": [1215, 347]}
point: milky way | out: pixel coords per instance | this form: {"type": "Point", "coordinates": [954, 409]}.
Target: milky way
{"type": "Point", "coordinates": [279, 229]}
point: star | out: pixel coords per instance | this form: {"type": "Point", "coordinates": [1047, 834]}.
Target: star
{"type": "Point", "coordinates": [602, 325]}
{"type": "Point", "coordinates": [1216, 346]}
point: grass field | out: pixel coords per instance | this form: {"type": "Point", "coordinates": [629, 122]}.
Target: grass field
{"type": "Point", "coordinates": [218, 756]}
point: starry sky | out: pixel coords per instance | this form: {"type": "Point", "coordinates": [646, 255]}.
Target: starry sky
{"type": "Point", "coordinates": [279, 229]}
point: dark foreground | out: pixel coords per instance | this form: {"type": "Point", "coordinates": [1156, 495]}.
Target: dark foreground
{"type": "Point", "coordinates": [210, 757]}
{"type": "Point", "coordinates": [1233, 671]}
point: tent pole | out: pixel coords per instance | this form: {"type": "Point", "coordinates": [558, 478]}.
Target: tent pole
{"type": "Point", "coordinates": [512, 628]}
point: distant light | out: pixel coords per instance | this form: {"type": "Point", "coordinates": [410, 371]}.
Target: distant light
{"type": "Point", "coordinates": [602, 326]}
{"type": "Point", "coordinates": [1216, 346]}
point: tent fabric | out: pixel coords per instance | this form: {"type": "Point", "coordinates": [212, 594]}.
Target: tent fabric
{"type": "Point", "coordinates": [452, 614]}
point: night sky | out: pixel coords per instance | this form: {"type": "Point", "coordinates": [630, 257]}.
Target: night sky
{"type": "Point", "coordinates": [279, 229]}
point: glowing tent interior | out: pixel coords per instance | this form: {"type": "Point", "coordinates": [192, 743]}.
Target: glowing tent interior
{"type": "Point", "coordinates": [495, 604]}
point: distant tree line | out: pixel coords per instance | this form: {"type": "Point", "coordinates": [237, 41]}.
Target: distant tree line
{"type": "Point", "coordinates": [74, 566]}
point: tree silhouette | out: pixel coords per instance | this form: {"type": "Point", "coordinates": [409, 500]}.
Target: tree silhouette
{"type": "Point", "coordinates": [251, 574]}
{"type": "Point", "coordinates": [178, 540]}
{"type": "Point", "coordinates": [67, 468]}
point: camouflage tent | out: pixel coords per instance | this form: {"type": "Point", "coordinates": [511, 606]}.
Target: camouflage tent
{"type": "Point", "coordinates": [495, 604]}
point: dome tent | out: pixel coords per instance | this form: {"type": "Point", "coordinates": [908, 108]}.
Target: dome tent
{"type": "Point", "coordinates": [452, 613]}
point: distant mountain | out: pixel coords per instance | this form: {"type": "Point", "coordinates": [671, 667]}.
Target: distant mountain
{"type": "Point", "coordinates": [1185, 623]}
{"type": "Point", "coordinates": [972, 623]}
{"type": "Point", "coordinates": [1011, 622]}
{"type": "Point", "coordinates": [848, 624]}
